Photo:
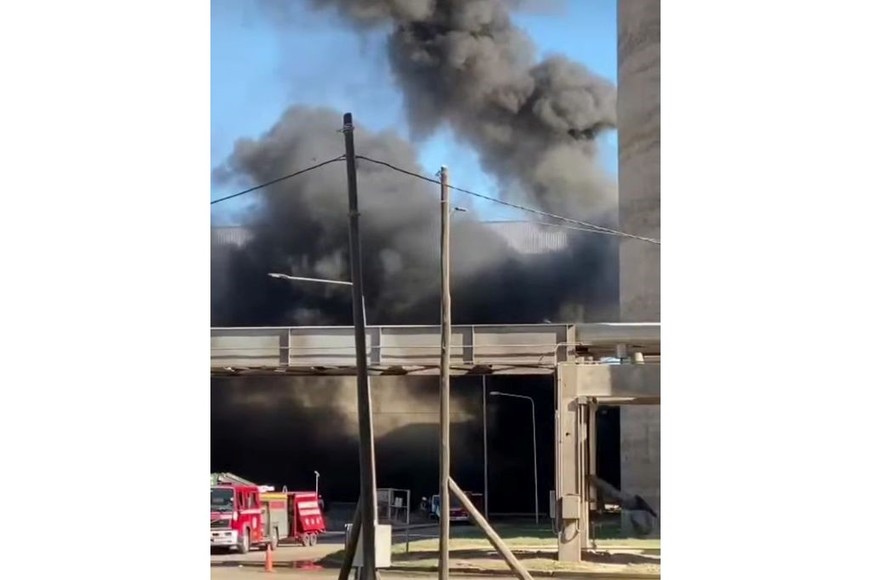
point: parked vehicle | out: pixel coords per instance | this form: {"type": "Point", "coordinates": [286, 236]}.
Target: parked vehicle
{"type": "Point", "coordinates": [457, 512]}
{"type": "Point", "coordinates": [245, 515]}
{"type": "Point", "coordinates": [237, 518]}
{"type": "Point", "coordinates": [295, 515]}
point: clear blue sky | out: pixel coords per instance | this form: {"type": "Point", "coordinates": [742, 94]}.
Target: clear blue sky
{"type": "Point", "coordinates": [253, 79]}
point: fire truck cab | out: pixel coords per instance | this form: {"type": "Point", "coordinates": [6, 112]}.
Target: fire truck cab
{"type": "Point", "coordinates": [237, 518]}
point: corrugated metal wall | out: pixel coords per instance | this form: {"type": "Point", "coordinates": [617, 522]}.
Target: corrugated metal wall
{"type": "Point", "coordinates": [524, 237]}
{"type": "Point", "coordinates": [229, 236]}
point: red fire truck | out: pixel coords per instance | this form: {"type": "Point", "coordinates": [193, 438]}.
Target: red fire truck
{"type": "Point", "coordinates": [295, 515]}
{"type": "Point", "coordinates": [245, 515]}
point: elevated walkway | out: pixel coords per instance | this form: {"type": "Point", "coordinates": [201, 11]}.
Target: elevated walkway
{"type": "Point", "coordinates": [403, 350]}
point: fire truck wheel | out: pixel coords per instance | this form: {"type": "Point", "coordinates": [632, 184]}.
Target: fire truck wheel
{"type": "Point", "coordinates": [306, 540]}
{"type": "Point", "coordinates": [313, 539]}
{"type": "Point", "coordinates": [273, 539]}
{"type": "Point", "coordinates": [245, 543]}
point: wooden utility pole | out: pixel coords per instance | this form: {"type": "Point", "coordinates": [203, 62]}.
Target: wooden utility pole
{"type": "Point", "coordinates": [444, 521]}
{"type": "Point", "coordinates": [364, 399]}
{"type": "Point", "coordinates": [485, 457]}
{"type": "Point", "coordinates": [447, 485]}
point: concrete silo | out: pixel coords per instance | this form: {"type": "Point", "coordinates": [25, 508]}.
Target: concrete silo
{"type": "Point", "coordinates": [639, 213]}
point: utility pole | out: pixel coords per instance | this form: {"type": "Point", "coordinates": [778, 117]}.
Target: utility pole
{"type": "Point", "coordinates": [485, 457]}
{"type": "Point", "coordinates": [444, 521]}
{"type": "Point", "coordinates": [535, 459]}
{"type": "Point", "coordinates": [364, 401]}
{"type": "Point", "coordinates": [447, 485]}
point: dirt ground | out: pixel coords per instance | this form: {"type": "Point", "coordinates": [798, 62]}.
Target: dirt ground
{"type": "Point", "coordinates": [319, 561]}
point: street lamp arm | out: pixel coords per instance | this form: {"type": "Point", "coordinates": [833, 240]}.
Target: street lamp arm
{"type": "Point", "coordinates": [321, 281]}
{"type": "Point", "coordinates": [501, 394]}
{"type": "Point", "coordinates": [304, 279]}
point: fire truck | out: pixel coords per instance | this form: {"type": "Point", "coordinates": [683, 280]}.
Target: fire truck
{"type": "Point", "coordinates": [245, 515]}
{"type": "Point", "coordinates": [296, 515]}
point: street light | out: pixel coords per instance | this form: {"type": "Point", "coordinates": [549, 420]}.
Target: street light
{"type": "Point", "coordinates": [365, 496]}
{"type": "Point", "coordinates": [534, 441]}
{"type": "Point", "coordinates": [318, 281]}
{"type": "Point", "coordinates": [304, 279]}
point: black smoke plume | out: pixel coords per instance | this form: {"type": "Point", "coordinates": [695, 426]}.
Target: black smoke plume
{"type": "Point", "coordinates": [279, 430]}
{"type": "Point", "coordinates": [534, 124]}
{"type": "Point", "coordinates": [301, 229]}
{"type": "Point", "coordinates": [460, 64]}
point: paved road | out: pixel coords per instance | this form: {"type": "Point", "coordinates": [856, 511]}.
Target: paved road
{"type": "Point", "coordinates": [306, 557]}
{"type": "Point", "coordinates": [290, 573]}
{"type": "Point", "coordinates": [285, 554]}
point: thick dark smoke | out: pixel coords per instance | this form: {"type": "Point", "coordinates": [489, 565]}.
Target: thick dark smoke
{"type": "Point", "coordinates": [278, 431]}
{"type": "Point", "coordinates": [464, 63]}
{"type": "Point", "coordinates": [301, 229]}
{"type": "Point", "coordinates": [460, 64]}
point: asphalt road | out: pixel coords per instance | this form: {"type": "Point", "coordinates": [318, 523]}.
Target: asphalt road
{"type": "Point", "coordinates": [306, 557]}
{"type": "Point", "coordinates": [252, 573]}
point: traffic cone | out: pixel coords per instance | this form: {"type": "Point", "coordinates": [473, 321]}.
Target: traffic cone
{"type": "Point", "coordinates": [269, 563]}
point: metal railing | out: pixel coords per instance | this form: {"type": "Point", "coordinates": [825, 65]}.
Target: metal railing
{"type": "Point", "coordinates": [392, 346]}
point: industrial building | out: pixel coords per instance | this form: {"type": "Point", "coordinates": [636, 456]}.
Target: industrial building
{"type": "Point", "coordinates": [638, 109]}
{"type": "Point", "coordinates": [525, 237]}
{"type": "Point", "coordinates": [639, 213]}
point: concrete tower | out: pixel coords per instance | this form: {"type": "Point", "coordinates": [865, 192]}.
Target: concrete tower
{"type": "Point", "coordinates": [640, 213]}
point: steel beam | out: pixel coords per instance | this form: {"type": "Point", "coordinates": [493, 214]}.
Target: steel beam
{"type": "Point", "coordinates": [580, 388]}
{"type": "Point", "coordinates": [418, 347]}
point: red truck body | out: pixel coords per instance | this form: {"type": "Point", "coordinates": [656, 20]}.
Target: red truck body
{"type": "Point", "coordinates": [243, 517]}
{"type": "Point", "coordinates": [296, 515]}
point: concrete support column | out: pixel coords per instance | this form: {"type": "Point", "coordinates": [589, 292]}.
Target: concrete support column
{"type": "Point", "coordinates": [572, 443]}
{"type": "Point", "coordinates": [593, 455]}
{"type": "Point", "coordinates": [576, 387]}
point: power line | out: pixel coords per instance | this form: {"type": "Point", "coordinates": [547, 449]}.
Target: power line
{"type": "Point", "coordinates": [579, 225]}
{"type": "Point", "coordinates": [274, 181]}
{"type": "Point", "coordinates": [575, 228]}
{"type": "Point", "coordinates": [586, 226]}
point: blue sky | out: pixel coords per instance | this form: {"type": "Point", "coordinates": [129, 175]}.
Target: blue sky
{"type": "Point", "coordinates": [254, 79]}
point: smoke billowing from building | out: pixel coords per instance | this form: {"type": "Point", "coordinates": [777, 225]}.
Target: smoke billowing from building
{"type": "Point", "coordinates": [463, 63]}
{"type": "Point", "coordinates": [279, 430]}
{"type": "Point", "coordinates": [460, 64]}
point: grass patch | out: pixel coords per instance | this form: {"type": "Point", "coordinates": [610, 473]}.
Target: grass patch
{"type": "Point", "coordinates": [593, 563]}
{"type": "Point", "coordinates": [533, 545]}
{"type": "Point", "coordinates": [528, 535]}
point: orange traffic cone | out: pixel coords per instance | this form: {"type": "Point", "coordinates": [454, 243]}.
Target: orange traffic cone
{"type": "Point", "coordinates": [269, 563]}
